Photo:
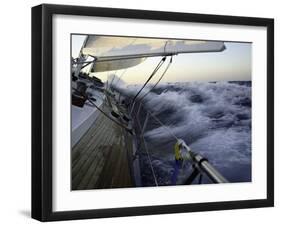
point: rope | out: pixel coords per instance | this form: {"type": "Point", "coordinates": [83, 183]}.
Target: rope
{"type": "Point", "coordinates": [112, 79]}
{"type": "Point", "coordinates": [125, 68]}
{"type": "Point", "coordinates": [148, 155]}
{"type": "Point", "coordinates": [150, 77]}
{"type": "Point", "coordinates": [165, 46]}
{"type": "Point", "coordinates": [133, 101]}
{"type": "Point", "coordinates": [162, 124]}
{"type": "Point", "coordinates": [150, 162]}
{"type": "Point", "coordinates": [155, 70]}
{"type": "Point", "coordinates": [171, 59]}
{"type": "Point", "coordinates": [145, 145]}
{"type": "Point", "coordinates": [105, 114]}
{"type": "Point", "coordinates": [121, 76]}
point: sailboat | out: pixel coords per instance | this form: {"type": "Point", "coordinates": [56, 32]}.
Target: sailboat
{"type": "Point", "coordinates": [107, 131]}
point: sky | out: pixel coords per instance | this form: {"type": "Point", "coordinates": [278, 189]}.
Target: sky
{"type": "Point", "coordinates": [232, 64]}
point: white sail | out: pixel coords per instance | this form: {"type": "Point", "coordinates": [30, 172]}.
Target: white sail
{"type": "Point", "coordinates": [112, 53]}
{"type": "Point", "coordinates": [111, 65]}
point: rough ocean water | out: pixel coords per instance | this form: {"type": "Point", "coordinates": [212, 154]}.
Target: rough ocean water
{"type": "Point", "coordinates": [213, 118]}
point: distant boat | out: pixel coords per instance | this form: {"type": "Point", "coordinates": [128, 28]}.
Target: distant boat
{"type": "Point", "coordinates": [107, 135]}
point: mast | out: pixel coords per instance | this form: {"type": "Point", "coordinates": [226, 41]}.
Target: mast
{"type": "Point", "coordinates": [80, 61]}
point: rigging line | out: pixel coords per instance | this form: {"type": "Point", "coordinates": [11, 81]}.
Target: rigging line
{"type": "Point", "coordinates": [107, 81]}
{"type": "Point", "coordinates": [147, 152]}
{"type": "Point", "coordinates": [165, 127]}
{"type": "Point", "coordinates": [150, 77]}
{"type": "Point", "coordinates": [171, 59]}
{"type": "Point", "coordinates": [113, 78]}
{"type": "Point", "coordinates": [125, 68]}
{"type": "Point", "coordinates": [165, 46]}
{"type": "Point", "coordinates": [105, 114]}
{"type": "Point", "coordinates": [121, 76]}
{"type": "Point", "coordinates": [85, 65]}
{"type": "Point", "coordinates": [162, 124]}
{"type": "Point", "coordinates": [150, 162]}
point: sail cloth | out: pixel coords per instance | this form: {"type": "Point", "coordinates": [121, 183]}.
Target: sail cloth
{"type": "Point", "coordinates": [110, 65]}
{"type": "Point", "coordinates": [113, 53]}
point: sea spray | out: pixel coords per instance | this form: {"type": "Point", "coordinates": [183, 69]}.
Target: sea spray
{"type": "Point", "coordinates": [214, 119]}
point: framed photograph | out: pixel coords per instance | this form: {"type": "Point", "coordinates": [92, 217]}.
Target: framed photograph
{"type": "Point", "coordinates": [146, 112]}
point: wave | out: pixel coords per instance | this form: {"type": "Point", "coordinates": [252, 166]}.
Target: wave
{"type": "Point", "coordinates": [213, 118]}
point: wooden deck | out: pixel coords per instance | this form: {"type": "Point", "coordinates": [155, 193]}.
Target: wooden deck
{"type": "Point", "coordinates": [101, 159]}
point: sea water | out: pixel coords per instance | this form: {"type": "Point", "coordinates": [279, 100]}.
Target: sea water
{"type": "Point", "coordinates": [213, 118]}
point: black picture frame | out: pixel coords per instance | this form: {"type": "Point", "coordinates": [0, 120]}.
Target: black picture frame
{"type": "Point", "coordinates": [42, 111]}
